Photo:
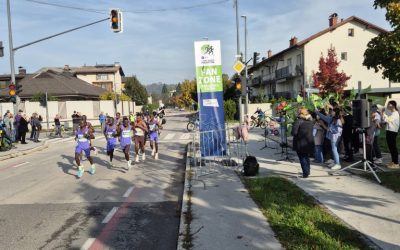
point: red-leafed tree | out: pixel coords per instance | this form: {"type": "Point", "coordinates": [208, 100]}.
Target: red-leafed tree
{"type": "Point", "coordinates": [328, 79]}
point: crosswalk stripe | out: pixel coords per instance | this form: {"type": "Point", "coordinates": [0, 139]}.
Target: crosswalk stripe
{"type": "Point", "coordinates": [185, 136]}
{"type": "Point", "coordinates": [169, 136]}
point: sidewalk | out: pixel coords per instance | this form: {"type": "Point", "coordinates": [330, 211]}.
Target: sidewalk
{"type": "Point", "coordinates": [224, 215]}
{"type": "Point", "coordinates": [366, 206]}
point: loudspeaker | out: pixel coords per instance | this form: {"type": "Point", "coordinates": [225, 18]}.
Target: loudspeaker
{"type": "Point", "coordinates": [361, 113]}
{"type": "Point", "coordinates": [250, 166]}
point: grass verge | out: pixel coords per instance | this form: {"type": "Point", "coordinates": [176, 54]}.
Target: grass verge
{"type": "Point", "coordinates": [298, 221]}
{"type": "Point", "coordinates": [389, 179]}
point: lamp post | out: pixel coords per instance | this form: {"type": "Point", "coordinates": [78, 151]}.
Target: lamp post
{"type": "Point", "coordinates": [238, 56]}
{"type": "Point", "coordinates": [246, 103]}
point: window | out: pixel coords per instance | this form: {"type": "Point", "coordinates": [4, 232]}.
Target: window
{"type": "Point", "coordinates": [298, 59]}
{"type": "Point", "coordinates": [351, 32]}
{"type": "Point", "coordinates": [344, 56]}
{"type": "Point", "coordinates": [102, 77]}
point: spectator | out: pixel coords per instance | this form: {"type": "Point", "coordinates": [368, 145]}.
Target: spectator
{"type": "Point", "coordinates": [369, 139]}
{"type": "Point", "coordinates": [12, 127]}
{"type": "Point", "coordinates": [7, 122]}
{"type": "Point", "coordinates": [57, 126]}
{"type": "Point", "coordinates": [319, 135]}
{"type": "Point", "coordinates": [303, 141]}
{"type": "Point", "coordinates": [348, 134]}
{"type": "Point", "coordinates": [377, 120]}
{"type": "Point", "coordinates": [102, 119]}
{"type": "Point", "coordinates": [23, 128]}
{"type": "Point", "coordinates": [36, 125]}
{"type": "Point", "coordinates": [391, 118]}
{"type": "Point", "coordinates": [16, 120]}
{"type": "Point", "coordinates": [334, 132]}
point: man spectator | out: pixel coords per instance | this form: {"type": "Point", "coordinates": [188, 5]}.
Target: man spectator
{"type": "Point", "coordinates": [36, 125]}
{"type": "Point", "coordinates": [102, 119]}
{"type": "Point", "coordinates": [16, 120]}
{"type": "Point", "coordinates": [57, 125]}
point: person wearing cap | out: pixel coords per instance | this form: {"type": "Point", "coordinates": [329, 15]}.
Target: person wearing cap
{"type": "Point", "coordinates": [303, 139]}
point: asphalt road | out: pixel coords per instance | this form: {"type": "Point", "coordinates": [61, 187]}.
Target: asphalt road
{"type": "Point", "coordinates": [44, 206]}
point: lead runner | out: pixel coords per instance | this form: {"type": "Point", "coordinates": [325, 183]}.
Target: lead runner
{"type": "Point", "coordinates": [82, 135]}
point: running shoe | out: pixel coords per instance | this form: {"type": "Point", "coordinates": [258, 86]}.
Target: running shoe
{"type": "Point", "coordinates": [93, 170]}
{"type": "Point", "coordinates": [156, 156]}
{"type": "Point", "coordinates": [153, 152]}
{"type": "Point", "coordinates": [143, 156]}
{"type": "Point", "coordinates": [95, 151]}
{"type": "Point", "coordinates": [336, 167]}
{"type": "Point", "coordinates": [80, 171]}
{"type": "Point", "coordinates": [137, 158]}
{"type": "Point", "coordinates": [129, 164]}
{"type": "Point", "coordinates": [378, 160]}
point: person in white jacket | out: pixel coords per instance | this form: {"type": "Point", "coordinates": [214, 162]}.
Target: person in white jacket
{"type": "Point", "coordinates": [391, 118]}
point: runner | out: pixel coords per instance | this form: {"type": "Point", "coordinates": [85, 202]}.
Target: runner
{"type": "Point", "coordinates": [154, 127]}
{"type": "Point", "coordinates": [82, 135]}
{"type": "Point", "coordinates": [90, 127]}
{"type": "Point", "coordinates": [117, 120]}
{"type": "Point", "coordinates": [140, 130]}
{"type": "Point", "coordinates": [125, 133]}
{"type": "Point", "coordinates": [110, 133]}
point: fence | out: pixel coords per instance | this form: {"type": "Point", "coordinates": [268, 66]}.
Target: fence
{"type": "Point", "coordinates": [65, 109]}
{"type": "Point", "coordinates": [229, 151]}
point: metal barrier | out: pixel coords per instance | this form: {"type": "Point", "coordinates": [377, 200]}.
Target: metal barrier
{"type": "Point", "coordinates": [209, 149]}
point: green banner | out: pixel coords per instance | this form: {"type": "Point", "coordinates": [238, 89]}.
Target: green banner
{"type": "Point", "coordinates": [209, 79]}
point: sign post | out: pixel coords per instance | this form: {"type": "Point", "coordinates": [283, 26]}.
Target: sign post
{"type": "Point", "coordinates": [211, 97]}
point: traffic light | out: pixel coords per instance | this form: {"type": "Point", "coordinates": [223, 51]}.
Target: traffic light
{"type": "Point", "coordinates": [116, 20]}
{"type": "Point", "coordinates": [43, 100]}
{"type": "Point", "coordinates": [238, 86]}
{"type": "Point", "coordinates": [256, 56]}
{"type": "Point", "coordinates": [12, 93]}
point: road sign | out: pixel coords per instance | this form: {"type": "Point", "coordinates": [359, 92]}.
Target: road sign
{"type": "Point", "coordinates": [238, 67]}
{"type": "Point", "coordinates": [312, 90]}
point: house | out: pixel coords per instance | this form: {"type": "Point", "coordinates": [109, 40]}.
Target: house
{"type": "Point", "coordinates": [5, 80]}
{"type": "Point", "coordinates": [284, 74]}
{"type": "Point", "coordinates": [62, 85]}
{"type": "Point", "coordinates": [106, 76]}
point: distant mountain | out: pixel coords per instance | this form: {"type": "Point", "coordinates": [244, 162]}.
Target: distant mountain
{"type": "Point", "coordinates": [156, 88]}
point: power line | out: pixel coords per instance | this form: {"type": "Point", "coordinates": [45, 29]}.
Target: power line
{"type": "Point", "coordinates": [143, 11]}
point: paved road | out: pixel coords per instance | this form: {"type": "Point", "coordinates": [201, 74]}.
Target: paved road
{"type": "Point", "coordinates": [44, 206]}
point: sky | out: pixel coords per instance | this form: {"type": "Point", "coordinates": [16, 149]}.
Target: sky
{"type": "Point", "coordinates": [157, 46]}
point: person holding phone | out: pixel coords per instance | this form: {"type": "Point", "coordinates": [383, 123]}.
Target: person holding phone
{"type": "Point", "coordinates": [391, 119]}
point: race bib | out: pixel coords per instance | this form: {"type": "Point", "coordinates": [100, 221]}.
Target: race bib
{"type": "Point", "coordinates": [82, 138]}
{"type": "Point", "coordinates": [139, 132]}
{"type": "Point", "coordinates": [110, 134]}
{"type": "Point", "coordinates": [153, 127]}
{"type": "Point", "coordinates": [126, 133]}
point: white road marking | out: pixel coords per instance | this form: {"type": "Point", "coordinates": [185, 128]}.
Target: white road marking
{"type": "Point", "coordinates": [110, 215]}
{"type": "Point", "coordinates": [128, 192]}
{"type": "Point", "coordinates": [88, 243]}
{"type": "Point", "coordinates": [185, 136]}
{"type": "Point", "coordinates": [169, 136]}
{"type": "Point", "coordinates": [21, 164]}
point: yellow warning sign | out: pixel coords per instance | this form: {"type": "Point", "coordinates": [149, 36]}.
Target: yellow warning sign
{"type": "Point", "coordinates": [238, 67]}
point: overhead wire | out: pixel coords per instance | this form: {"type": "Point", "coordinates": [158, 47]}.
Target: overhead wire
{"type": "Point", "coordinates": [143, 11]}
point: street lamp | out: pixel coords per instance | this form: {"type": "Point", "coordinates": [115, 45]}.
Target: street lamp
{"type": "Point", "coordinates": [246, 104]}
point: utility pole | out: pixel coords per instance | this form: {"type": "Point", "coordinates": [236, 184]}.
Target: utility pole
{"type": "Point", "coordinates": [246, 103]}
{"type": "Point", "coordinates": [11, 49]}
{"type": "Point", "coordinates": [238, 56]}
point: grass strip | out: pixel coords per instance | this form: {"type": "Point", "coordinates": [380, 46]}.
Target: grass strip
{"type": "Point", "coordinates": [389, 179]}
{"type": "Point", "coordinates": [298, 221]}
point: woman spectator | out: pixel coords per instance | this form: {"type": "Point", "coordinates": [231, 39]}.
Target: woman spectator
{"type": "Point", "coordinates": [23, 128]}
{"type": "Point", "coordinates": [391, 118]}
{"type": "Point", "coordinates": [377, 120]}
{"type": "Point", "coordinates": [303, 141]}
{"type": "Point", "coordinates": [334, 132]}
{"type": "Point", "coordinates": [319, 135]}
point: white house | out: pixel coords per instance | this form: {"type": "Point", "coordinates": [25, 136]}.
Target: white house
{"type": "Point", "coordinates": [284, 73]}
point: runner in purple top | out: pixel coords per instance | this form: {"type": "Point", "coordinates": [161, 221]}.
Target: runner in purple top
{"type": "Point", "coordinates": [82, 137]}
{"type": "Point", "coordinates": [154, 127]}
{"type": "Point", "coordinates": [125, 133]}
{"type": "Point", "coordinates": [110, 132]}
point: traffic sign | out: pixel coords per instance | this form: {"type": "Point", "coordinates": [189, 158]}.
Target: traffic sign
{"type": "Point", "coordinates": [238, 67]}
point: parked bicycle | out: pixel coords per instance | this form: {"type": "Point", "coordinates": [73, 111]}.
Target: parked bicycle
{"type": "Point", "coordinates": [193, 125]}
{"type": "Point", "coordinates": [53, 133]}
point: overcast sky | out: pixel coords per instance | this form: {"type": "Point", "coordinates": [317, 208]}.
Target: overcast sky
{"type": "Point", "coordinates": [158, 46]}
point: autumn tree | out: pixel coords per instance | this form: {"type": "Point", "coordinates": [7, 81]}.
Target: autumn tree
{"type": "Point", "coordinates": [328, 79]}
{"type": "Point", "coordinates": [383, 51]}
{"type": "Point", "coordinates": [135, 90]}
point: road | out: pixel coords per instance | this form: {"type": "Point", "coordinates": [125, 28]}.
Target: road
{"type": "Point", "coordinates": [44, 206]}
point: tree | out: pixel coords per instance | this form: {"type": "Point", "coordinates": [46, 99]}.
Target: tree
{"type": "Point", "coordinates": [328, 79]}
{"type": "Point", "coordinates": [164, 89]}
{"type": "Point", "coordinates": [136, 90]}
{"type": "Point", "coordinates": [383, 51]}
{"type": "Point", "coordinates": [112, 96]}
{"type": "Point", "coordinates": [178, 89]}
{"type": "Point", "coordinates": [229, 87]}
{"type": "Point", "coordinates": [165, 94]}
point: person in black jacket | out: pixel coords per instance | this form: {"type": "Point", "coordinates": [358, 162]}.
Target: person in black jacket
{"type": "Point", "coordinates": [23, 128]}
{"type": "Point", "coordinates": [303, 139]}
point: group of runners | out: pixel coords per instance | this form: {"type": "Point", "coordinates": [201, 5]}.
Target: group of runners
{"type": "Point", "coordinates": [122, 130]}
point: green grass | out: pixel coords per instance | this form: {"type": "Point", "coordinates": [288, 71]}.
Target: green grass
{"type": "Point", "coordinates": [389, 179]}
{"type": "Point", "coordinates": [297, 219]}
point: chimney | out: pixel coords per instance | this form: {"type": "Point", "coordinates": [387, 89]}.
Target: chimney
{"type": "Point", "coordinates": [333, 19]}
{"type": "Point", "coordinates": [21, 70]}
{"type": "Point", "coordinates": [269, 53]}
{"type": "Point", "coordinates": [293, 41]}
{"type": "Point", "coordinates": [66, 67]}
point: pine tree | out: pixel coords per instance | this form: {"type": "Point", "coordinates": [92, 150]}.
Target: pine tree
{"type": "Point", "coordinates": [328, 79]}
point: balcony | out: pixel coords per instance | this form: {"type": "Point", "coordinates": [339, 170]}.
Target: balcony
{"type": "Point", "coordinates": [283, 73]}
{"type": "Point", "coordinates": [268, 78]}
{"type": "Point", "coordinates": [256, 81]}
{"type": "Point", "coordinates": [285, 94]}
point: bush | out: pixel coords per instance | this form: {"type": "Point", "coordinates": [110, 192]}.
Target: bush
{"type": "Point", "coordinates": [150, 107]}
{"type": "Point", "coordinates": [230, 109]}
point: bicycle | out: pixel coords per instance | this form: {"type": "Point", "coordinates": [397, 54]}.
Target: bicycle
{"type": "Point", "coordinates": [193, 125]}
{"type": "Point", "coordinates": [53, 133]}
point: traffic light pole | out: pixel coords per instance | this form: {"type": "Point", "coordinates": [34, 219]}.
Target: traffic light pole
{"type": "Point", "coordinates": [246, 103]}
{"type": "Point", "coordinates": [238, 54]}
{"type": "Point", "coordinates": [11, 49]}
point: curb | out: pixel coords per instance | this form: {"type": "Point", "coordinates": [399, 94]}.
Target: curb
{"type": "Point", "coordinates": [25, 152]}
{"type": "Point", "coordinates": [184, 206]}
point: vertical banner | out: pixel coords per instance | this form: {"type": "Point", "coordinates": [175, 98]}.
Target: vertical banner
{"type": "Point", "coordinates": [211, 98]}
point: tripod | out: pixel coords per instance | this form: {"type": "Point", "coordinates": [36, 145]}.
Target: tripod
{"type": "Point", "coordinates": [265, 140]}
{"type": "Point", "coordinates": [363, 162]}
{"type": "Point", "coordinates": [284, 143]}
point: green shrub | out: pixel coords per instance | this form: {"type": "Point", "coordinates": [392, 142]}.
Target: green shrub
{"type": "Point", "coordinates": [229, 109]}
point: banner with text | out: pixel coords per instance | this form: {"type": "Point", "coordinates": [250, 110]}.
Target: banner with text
{"type": "Point", "coordinates": [211, 98]}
